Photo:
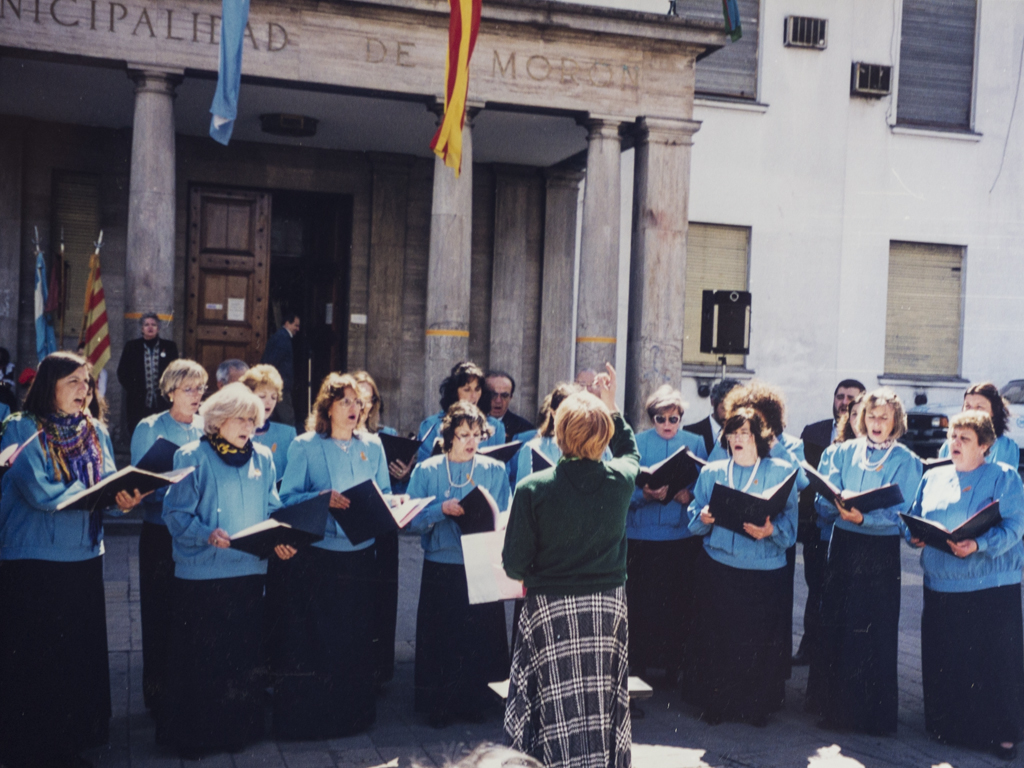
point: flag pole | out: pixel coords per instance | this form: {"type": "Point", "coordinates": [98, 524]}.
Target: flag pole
{"type": "Point", "coordinates": [63, 286]}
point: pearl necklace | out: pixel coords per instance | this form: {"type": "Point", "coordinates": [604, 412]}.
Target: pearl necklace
{"type": "Point", "coordinates": [750, 480]}
{"type": "Point", "coordinates": [874, 466]}
{"type": "Point", "coordinates": [451, 483]}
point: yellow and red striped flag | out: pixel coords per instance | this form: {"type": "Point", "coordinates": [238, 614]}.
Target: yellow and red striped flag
{"type": "Point", "coordinates": [95, 330]}
{"type": "Point", "coordinates": [463, 27]}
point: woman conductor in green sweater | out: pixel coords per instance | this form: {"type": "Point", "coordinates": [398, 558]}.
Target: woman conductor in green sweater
{"type": "Point", "coordinates": [568, 699]}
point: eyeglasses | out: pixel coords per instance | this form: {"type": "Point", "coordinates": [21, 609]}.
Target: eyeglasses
{"type": "Point", "coordinates": [662, 419]}
{"type": "Point", "coordinates": [348, 402]}
{"type": "Point", "coordinates": [471, 436]}
{"type": "Point", "coordinates": [502, 395]}
{"type": "Point", "coordinates": [193, 390]}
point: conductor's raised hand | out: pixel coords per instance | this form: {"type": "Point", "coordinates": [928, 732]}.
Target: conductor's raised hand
{"type": "Point", "coordinates": [760, 531]}
{"type": "Point", "coordinates": [606, 384]}
{"type": "Point", "coordinates": [706, 517]}
{"type": "Point", "coordinates": [452, 508]}
{"type": "Point", "coordinates": [219, 539]}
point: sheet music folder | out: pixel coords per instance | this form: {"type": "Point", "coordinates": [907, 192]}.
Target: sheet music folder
{"type": "Point", "coordinates": [296, 526]}
{"type": "Point", "coordinates": [503, 452]}
{"type": "Point", "coordinates": [935, 535]}
{"type": "Point", "coordinates": [397, 448]}
{"type": "Point", "coordinates": [539, 461]}
{"type": "Point", "coordinates": [678, 471]}
{"type": "Point", "coordinates": [731, 508]}
{"type": "Point", "coordinates": [867, 501]}
{"type": "Point", "coordinates": [481, 512]}
{"type": "Point", "coordinates": [369, 514]}
{"type": "Point", "coordinates": [159, 457]}
{"type": "Point", "coordinates": [101, 495]}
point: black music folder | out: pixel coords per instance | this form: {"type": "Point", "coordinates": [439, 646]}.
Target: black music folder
{"type": "Point", "coordinates": [102, 495]}
{"type": "Point", "coordinates": [866, 501]}
{"type": "Point", "coordinates": [397, 448]}
{"type": "Point", "coordinates": [731, 508]}
{"type": "Point", "coordinates": [370, 515]}
{"type": "Point", "coordinates": [503, 452]}
{"type": "Point", "coordinates": [159, 457]}
{"type": "Point", "coordinates": [935, 535]}
{"type": "Point", "coordinates": [481, 512]}
{"type": "Point", "coordinates": [539, 461]}
{"type": "Point", "coordinates": [296, 526]}
{"type": "Point", "coordinates": [678, 471]}
{"type": "Point", "coordinates": [930, 464]}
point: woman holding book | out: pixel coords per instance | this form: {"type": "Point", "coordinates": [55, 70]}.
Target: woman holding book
{"type": "Point", "coordinates": [662, 551]}
{"type": "Point", "coordinates": [860, 593]}
{"type": "Point", "coordinates": [741, 581]}
{"type": "Point", "coordinates": [322, 654]}
{"type": "Point", "coordinates": [182, 385]}
{"type": "Point", "coordinates": [972, 637]}
{"type": "Point", "coordinates": [213, 692]}
{"type": "Point", "coordinates": [460, 648]}
{"type": "Point", "coordinates": [54, 672]}
{"type": "Point", "coordinates": [985, 397]}
{"type": "Point", "coordinates": [568, 698]}
{"type": "Point", "coordinates": [268, 385]}
{"type": "Point", "coordinates": [464, 383]}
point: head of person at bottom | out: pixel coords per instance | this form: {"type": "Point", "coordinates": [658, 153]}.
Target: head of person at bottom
{"type": "Point", "coordinates": [338, 408]}
{"type": "Point", "coordinates": [183, 384]}
{"type": "Point", "coordinates": [266, 383]}
{"type": "Point", "coordinates": [882, 419]}
{"type": "Point", "coordinates": [985, 397]}
{"type": "Point", "coordinates": [462, 430]}
{"type": "Point", "coordinates": [231, 417]}
{"type": "Point", "coordinates": [60, 388]}
{"type": "Point", "coordinates": [583, 426]}
{"type": "Point", "coordinates": [665, 409]}
{"type": "Point", "coordinates": [464, 382]}
{"type": "Point", "coordinates": [746, 437]}
{"type": "Point", "coordinates": [971, 435]}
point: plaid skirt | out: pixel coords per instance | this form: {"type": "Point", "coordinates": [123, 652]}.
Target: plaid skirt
{"type": "Point", "coordinates": [568, 698]}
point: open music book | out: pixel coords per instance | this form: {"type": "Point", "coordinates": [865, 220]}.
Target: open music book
{"type": "Point", "coordinates": [731, 508]}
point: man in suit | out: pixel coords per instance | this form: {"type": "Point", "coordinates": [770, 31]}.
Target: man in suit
{"type": "Point", "coordinates": [499, 387]}
{"type": "Point", "coordinates": [143, 361]}
{"type": "Point", "coordinates": [817, 437]}
{"type": "Point", "coordinates": [706, 428]}
{"type": "Point", "coordinates": [280, 354]}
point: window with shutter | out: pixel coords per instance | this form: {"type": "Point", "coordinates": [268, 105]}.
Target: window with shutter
{"type": "Point", "coordinates": [936, 70]}
{"type": "Point", "coordinates": [731, 70]}
{"type": "Point", "coordinates": [716, 260]}
{"type": "Point", "coordinates": [76, 212]}
{"type": "Point", "coordinates": [923, 309]}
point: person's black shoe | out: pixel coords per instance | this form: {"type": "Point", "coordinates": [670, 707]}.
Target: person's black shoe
{"type": "Point", "coordinates": [1005, 753]}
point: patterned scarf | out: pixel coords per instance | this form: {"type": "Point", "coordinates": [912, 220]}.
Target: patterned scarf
{"type": "Point", "coordinates": [73, 445]}
{"type": "Point", "coordinates": [151, 363]}
{"type": "Point", "coordinates": [230, 454]}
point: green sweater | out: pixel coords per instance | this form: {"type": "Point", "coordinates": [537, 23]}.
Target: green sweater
{"type": "Point", "coordinates": [567, 531]}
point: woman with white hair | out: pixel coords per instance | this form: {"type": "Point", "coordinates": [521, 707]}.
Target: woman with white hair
{"type": "Point", "coordinates": [214, 696]}
{"type": "Point", "coordinates": [182, 385]}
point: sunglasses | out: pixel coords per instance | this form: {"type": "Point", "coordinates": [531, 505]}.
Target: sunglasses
{"type": "Point", "coordinates": [662, 419]}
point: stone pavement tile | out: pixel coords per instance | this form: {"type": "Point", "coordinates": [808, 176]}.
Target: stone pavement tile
{"type": "Point", "coordinates": [265, 754]}
{"type": "Point", "coordinates": [313, 758]}
{"type": "Point", "coordinates": [359, 742]}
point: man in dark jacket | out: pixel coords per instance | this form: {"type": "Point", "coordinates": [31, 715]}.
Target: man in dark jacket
{"type": "Point", "coordinates": [143, 362]}
{"type": "Point", "coordinates": [706, 428]}
{"type": "Point", "coordinates": [499, 387]}
{"type": "Point", "coordinates": [280, 354]}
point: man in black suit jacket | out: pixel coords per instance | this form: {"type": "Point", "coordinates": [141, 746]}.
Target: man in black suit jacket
{"type": "Point", "coordinates": [141, 392]}
{"type": "Point", "coordinates": [817, 437]}
{"type": "Point", "coordinates": [704, 427]}
{"type": "Point", "coordinates": [499, 388]}
{"type": "Point", "coordinates": [280, 353]}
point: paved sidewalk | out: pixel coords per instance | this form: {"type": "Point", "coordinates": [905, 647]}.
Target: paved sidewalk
{"type": "Point", "coordinates": [668, 737]}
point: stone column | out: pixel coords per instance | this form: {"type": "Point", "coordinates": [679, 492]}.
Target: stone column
{"type": "Point", "coordinates": [556, 338]}
{"type": "Point", "coordinates": [657, 276]}
{"type": "Point", "coordinates": [149, 263]}
{"type": "Point", "coordinates": [597, 306]}
{"type": "Point", "coordinates": [448, 269]}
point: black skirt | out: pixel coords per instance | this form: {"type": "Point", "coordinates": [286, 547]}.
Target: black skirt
{"type": "Point", "coordinates": [460, 648]}
{"type": "Point", "coordinates": [742, 661]}
{"type": "Point", "coordinates": [156, 580]}
{"type": "Point", "coordinates": [214, 686]}
{"type": "Point", "coordinates": [854, 668]}
{"type": "Point", "coordinates": [972, 655]}
{"type": "Point", "coordinates": [322, 660]}
{"type": "Point", "coordinates": [660, 594]}
{"type": "Point", "coordinates": [54, 670]}
{"type": "Point", "coordinates": [386, 611]}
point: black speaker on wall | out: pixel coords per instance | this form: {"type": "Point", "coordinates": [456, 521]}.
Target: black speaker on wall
{"type": "Point", "coordinates": [725, 322]}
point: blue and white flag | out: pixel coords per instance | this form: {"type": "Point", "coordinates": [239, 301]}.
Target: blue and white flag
{"type": "Point", "coordinates": [46, 339]}
{"type": "Point", "coordinates": [224, 110]}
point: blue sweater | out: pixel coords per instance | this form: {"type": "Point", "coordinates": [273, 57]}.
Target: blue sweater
{"type": "Point", "coordinates": [149, 430]}
{"type": "Point", "coordinates": [277, 438]}
{"type": "Point", "coordinates": [30, 526]}
{"type": "Point", "coordinates": [316, 464]}
{"type": "Point", "coordinates": [430, 430]}
{"type": "Point", "coordinates": [653, 521]}
{"type": "Point", "coordinates": [847, 474]}
{"type": "Point", "coordinates": [949, 497]}
{"type": "Point", "coordinates": [215, 496]}
{"type": "Point", "coordinates": [441, 537]}
{"type": "Point", "coordinates": [1004, 450]}
{"type": "Point", "coordinates": [736, 549]}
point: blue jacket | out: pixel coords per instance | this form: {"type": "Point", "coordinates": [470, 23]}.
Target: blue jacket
{"type": "Point", "coordinates": [149, 430]}
{"type": "Point", "coordinates": [18, 428]}
{"type": "Point", "coordinates": [1004, 450]}
{"type": "Point", "coordinates": [948, 497]}
{"type": "Point", "coordinates": [653, 521]}
{"type": "Point", "coordinates": [441, 537]}
{"type": "Point", "coordinates": [30, 526]}
{"type": "Point", "coordinates": [277, 438]}
{"type": "Point", "coordinates": [430, 430]}
{"type": "Point", "coordinates": [214, 496]}
{"type": "Point", "coordinates": [735, 549]}
{"type": "Point", "coordinates": [317, 464]}
{"type": "Point", "coordinates": [846, 473]}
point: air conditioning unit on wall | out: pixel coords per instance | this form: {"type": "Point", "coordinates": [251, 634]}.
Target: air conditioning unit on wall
{"type": "Point", "coordinates": [805, 32]}
{"type": "Point", "coordinates": [871, 80]}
